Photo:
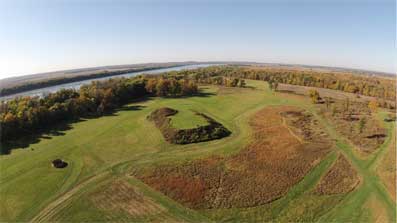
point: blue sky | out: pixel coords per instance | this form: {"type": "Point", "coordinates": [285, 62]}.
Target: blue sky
{"type": "Point", "coordinates": [40, 36]}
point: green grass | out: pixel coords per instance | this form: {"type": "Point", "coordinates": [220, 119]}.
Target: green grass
{"type": "Point", "coordinates": [187, 119]}
{"type": "Point", "coordinates": [106, 148]}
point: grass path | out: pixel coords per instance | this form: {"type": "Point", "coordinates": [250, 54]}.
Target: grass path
{"type": "Point", "coordinates": [50, 209]}
{"type": "Point", "coordinates": [352, 207]}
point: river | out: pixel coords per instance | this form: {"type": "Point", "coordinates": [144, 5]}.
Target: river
{"type": "Point", "coordinates": [76, 85]}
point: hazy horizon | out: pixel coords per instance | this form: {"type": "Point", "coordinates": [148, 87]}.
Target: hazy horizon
{"type": "Point", "coordinates": [46, 36]}
{"type": "Point", "coordinates": [256, 62]}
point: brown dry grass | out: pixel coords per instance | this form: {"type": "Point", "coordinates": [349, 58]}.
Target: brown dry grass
{"type": "Point", "coordinates": [335, 94]}
{"type": "Point", "coordinates": [347, 122]}
{"type": "Point", "coordinates": [340, 178]}
{"type": "Point", "coordinates": [378, 213]}
{"type": "Point", "coordinates": [387, 169]}
{"type": "Point", "coordinates": [273, 162]}
{"type": "Point", "coordinates": [121, 197]}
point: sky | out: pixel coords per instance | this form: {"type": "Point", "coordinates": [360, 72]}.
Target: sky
{"type": "Point", "coordinates": [41, 36]}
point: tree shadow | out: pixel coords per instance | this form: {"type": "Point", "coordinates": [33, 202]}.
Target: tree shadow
{"type": "Point", "coordinates": [199, 94]}
{"type": "Point", "coordinates": [32, 138]}
{"type": "Point", "coordinates": [131, 108]}
{"type": "Point", "coordinates": [60, 128]}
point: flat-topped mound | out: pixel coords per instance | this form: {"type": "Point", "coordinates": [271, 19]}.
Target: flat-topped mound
{"type": "Point", "coordinates": [187, 119]}
{"type": "Point", "coordinates": [277, 157]}
{"type": "Point", "coordinates": [212, 130]}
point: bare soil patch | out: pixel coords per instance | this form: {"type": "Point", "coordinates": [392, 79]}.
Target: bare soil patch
{"type": "Point", "coordinates": [341, 178]}
{"type": "Point", "coordinates": [277, 158]}
{"type": "Point", "coordinates": [213, 130]}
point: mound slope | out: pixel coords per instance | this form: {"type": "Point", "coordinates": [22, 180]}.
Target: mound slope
{"type": "Point", "coordinates": [213, 130]}
{"type": "Point", "coordinates": [277, 158]}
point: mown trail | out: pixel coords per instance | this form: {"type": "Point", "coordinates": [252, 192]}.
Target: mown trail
{"type": "Point", "coordinates": [46, 213]}
{"type": "Point", "coordinates": [352, 208]}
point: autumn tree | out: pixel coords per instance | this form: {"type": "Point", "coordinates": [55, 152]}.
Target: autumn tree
{"type": "Point", "coordinates": [151, 85]}
{"type": "Point", "coordinates": [373, 106]}
{"type": "Point", "coordinates": [315, 96]}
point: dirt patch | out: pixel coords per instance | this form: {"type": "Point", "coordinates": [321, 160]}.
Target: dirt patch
{"type": "Point", "coordinates": [122, 197]}
{"type": "Point", "coordinates": [213, 130]}
{"type": "Point", "coordinates": [341, 178]}
{"type": "Point", "coordinates": [277, 158]}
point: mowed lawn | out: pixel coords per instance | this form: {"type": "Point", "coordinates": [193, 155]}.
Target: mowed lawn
{"type": "Point", "coordinates": [102, 150]}
{"type": "Point", "coordinates": [187, 119]}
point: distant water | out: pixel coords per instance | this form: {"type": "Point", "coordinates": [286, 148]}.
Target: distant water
{"type": "Point", "coordinates": [76, 85]}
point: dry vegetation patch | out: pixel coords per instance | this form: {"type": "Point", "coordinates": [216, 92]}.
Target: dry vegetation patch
{"type": "Point", "coordinates": [387, 169]}
{"type": "Point", "coordinates": [355, 121]}
{"type": "Point", "coordinates": [330, 93]}
{"type": "Point", "coordinates": [213, 130]}
{"type": "Point", "coordinates": [278, 157]}
{"type": "Point", "coordinates": [340, 178]}
{"type": "Point", "coordinates": [121, 197]}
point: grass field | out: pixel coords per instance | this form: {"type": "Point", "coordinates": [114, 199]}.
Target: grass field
{"type": "Point", "coordinates": [187, 120]}
{"type": "Point", "coordinates": [102, 152]}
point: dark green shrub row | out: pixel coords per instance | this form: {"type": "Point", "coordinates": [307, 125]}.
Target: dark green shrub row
{"type": "Point", "coordinates": [213, 130]}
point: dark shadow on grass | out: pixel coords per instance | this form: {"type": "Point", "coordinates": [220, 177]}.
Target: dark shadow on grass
{"type": "Point", "coordinates": [32, 138]}
{"type": "Point", "coordinates": [131, 108]}
{"type": "Point", "coordinates": [60, 128]}
{"type": "Point", "coordinates": [199, 94]}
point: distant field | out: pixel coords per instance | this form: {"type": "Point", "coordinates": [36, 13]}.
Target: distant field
{"type": "Point", "coordinates": [303, 90]}
{"type": "Point", "coordinates": [104, 153]}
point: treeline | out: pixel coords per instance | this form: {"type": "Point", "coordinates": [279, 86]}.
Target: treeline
{"type": "Point", "coordinates": [347, 82]}
{"type": "Point", "coordinates": [362, 85]}
{"type": "Point", "coordinates": [215, 75]}
{"type": "Point", "coordinates": [28, 115]}
{"type": "Point", "coordinates": [65, 80]}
